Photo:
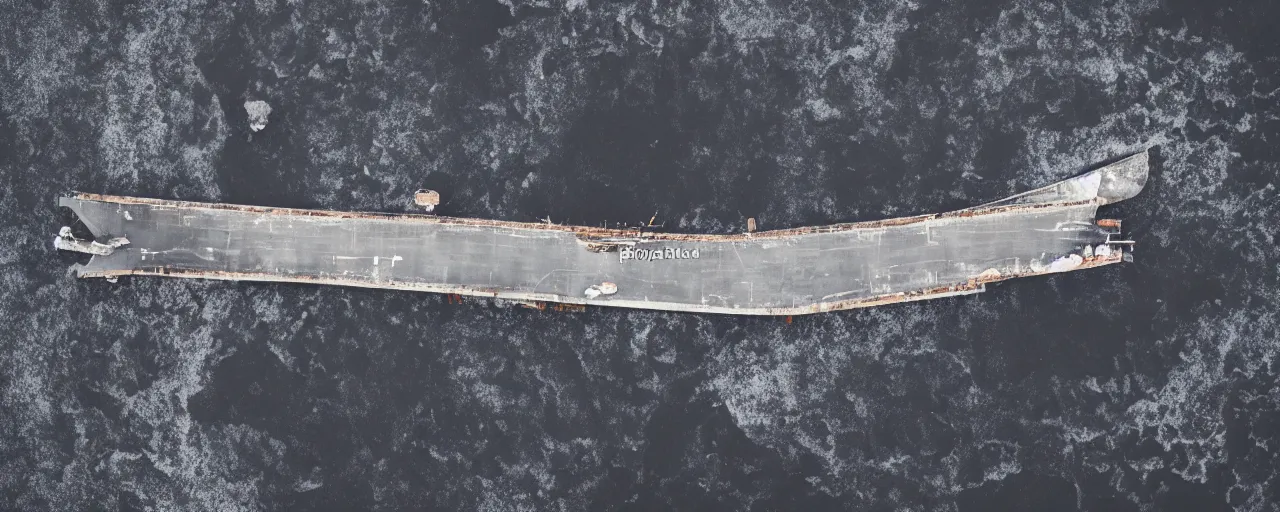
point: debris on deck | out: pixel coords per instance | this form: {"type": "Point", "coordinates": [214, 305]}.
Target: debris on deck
{"type": "Point", "coordinates": [605, 288]}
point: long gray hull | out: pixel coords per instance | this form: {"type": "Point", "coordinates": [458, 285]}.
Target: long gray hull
{"type": "Point", "coordinates": [785, 272]}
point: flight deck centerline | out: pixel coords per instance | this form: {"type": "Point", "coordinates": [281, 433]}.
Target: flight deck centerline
{"type": "Point", "coordinates": [779, 272]}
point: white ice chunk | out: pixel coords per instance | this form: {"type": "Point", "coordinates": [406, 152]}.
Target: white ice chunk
{"type": "Point", "coordinates": [1066, 263]}
{"type": "Point", "coordinates": [258, 112]}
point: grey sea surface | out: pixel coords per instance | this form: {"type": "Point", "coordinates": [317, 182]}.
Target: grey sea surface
{"type": "Point", "coordinates": [1144, 386]}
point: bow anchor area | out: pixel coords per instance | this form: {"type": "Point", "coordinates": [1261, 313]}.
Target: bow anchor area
{"type": "Point", "coordinates": [68, 242]}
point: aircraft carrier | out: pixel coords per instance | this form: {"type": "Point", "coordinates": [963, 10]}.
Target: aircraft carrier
{"type": "Point", "coordinates": [780, 272]}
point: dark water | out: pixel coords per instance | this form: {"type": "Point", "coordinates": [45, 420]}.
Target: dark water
{"type": "Point", "coordinates": [1148, 386]}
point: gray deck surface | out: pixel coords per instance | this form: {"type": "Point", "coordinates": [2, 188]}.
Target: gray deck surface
{"type": "Point", "coordinates": [754, 275]}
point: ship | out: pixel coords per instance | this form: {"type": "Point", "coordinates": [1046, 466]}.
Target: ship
{"type": "Point", "coordinates": [794, 271]}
